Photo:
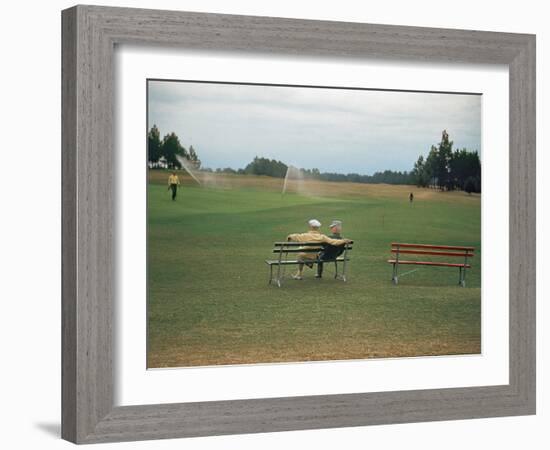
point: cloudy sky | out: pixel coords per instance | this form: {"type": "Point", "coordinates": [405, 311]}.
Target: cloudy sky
{"type": "Point", "coordinates": [334, 130]}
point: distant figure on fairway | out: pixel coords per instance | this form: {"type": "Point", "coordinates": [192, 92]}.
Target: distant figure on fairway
{"type": "Point", "coordinates": [313, 235]}
{"type": "Point", "coordinates": [411, 197]}
{"type": "Point", "coordinates": [173, 183]}
{"type": "Point", "coordinates": [331, 252]}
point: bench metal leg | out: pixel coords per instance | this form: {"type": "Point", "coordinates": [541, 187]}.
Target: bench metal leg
{"type": "Point", "coordinates": [279, 267]}
{"type": "Point", "coordinates": [340, 275]}
{"type": "Point", "coordinates": [343, 275]}
{"type": "Point", "coordinates": [279, 275]}
{"type": "Point", "coordinates": [276, 279]}
{"type": "Point", "coordinates": [462, 276]}
{"type": "Point", "coordinates": [345, 263]}
{"type": "Point", "coordinates": [394, 277]}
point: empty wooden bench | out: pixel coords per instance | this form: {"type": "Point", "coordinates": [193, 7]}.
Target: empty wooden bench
{"type": "Point", "coordinates": [401, 252]}
{"type": "Point", "coordinates": [287, 252]}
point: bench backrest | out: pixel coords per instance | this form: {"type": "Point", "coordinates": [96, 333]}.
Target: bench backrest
{"type": "Point", "coordinates": [303, 247]}
{"type": "Point", "coordinates": [399, 248]}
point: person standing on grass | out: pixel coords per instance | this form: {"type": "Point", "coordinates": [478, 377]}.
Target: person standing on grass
{"type": "Point", "coordinates": [312, 235]}
{"type": "Point", "coordinates": [173, 183]}
{"type": "Point", "coordinates": [411, 197]}
{"type": "Point", "coordinates": [330, 252]}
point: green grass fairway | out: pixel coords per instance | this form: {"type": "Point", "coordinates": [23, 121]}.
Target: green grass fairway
{"type": "Point", "coordinates": [208, 297]}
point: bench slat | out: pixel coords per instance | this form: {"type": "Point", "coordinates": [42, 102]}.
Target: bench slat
{"type": "Point", "coordinates": [438, 247]}
{"type": "Point", "coordinates": [301, 250]}
{"type": "Point", "coordinates": [429, 263]}
{"type": "Point", "coordinates": [295, 244]}
{"type": "Point", "coordinates": [313, 261]}
{"type": "Point", "coordinates": [427, 252]}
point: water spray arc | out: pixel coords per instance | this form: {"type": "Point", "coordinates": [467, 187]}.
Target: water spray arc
{"type": "Point", "coordinates": [188, 166]}
{"type": "Point", "coordinates": [293, 176]}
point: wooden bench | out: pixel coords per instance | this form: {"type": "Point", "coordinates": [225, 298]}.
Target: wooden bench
{"type": "Point", "coordinates": [399, 249]}
{"type": "Point", "coordinates": [286, 256]}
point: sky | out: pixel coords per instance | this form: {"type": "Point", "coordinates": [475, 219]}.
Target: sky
{"type": "Point", "coordinates": [333, 130]}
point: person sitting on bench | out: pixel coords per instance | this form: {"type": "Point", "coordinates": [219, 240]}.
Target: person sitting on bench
{"type": "Point", "coordinates": [331, 252]}
{"type": "Point", "coordinates": [313, 235]}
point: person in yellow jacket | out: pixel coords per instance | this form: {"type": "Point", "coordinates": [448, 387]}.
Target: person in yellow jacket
{"type": "Point", "coordinates": [312, 235]}
{"type": "Point", "coordinates": [173, 183]}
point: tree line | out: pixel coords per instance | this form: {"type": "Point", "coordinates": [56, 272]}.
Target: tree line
{"type": "Point", "coordinates": [258, 166]}
{"type": "Point", "coordinates": [447, 170]}
{"type": "Point", "coordinates": [164, 152]}
{"type": "Point", "coordinates": [443, 168]}
{"type": "Point", "coordinates": [386, 177]}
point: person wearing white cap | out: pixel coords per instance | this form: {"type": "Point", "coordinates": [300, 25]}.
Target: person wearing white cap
{"type": "Point", "coordinates": [312, 235]}
{"type": "Point", "coordinates": [314, 223]}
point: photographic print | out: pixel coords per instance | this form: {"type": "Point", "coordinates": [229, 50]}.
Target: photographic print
{"type": "Point", "coordinates": [307, 223]}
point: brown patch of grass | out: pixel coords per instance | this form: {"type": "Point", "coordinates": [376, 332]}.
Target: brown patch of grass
{"type": "Point", "coordinates": [316, 187]}
{"type": "Point", "coordinates": [196, 355]}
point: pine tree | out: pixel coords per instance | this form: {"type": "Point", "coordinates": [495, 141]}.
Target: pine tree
{"type": "Point", "coordinates": [193, 157]}
{"type": "Point", "coordinates": [171, 148]}
{"type": "Point", "coordinates": [445, 155]}
{"type": "Point", "coordinates": [470, 185]}
{"type": "Point", "coordinates": [153, 145]}
{"type": "Point", "coordinates": [420, 174]}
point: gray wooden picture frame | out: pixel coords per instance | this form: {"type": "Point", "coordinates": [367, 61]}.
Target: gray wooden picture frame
{"type": "Point", "coordinates": [89, 36]}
